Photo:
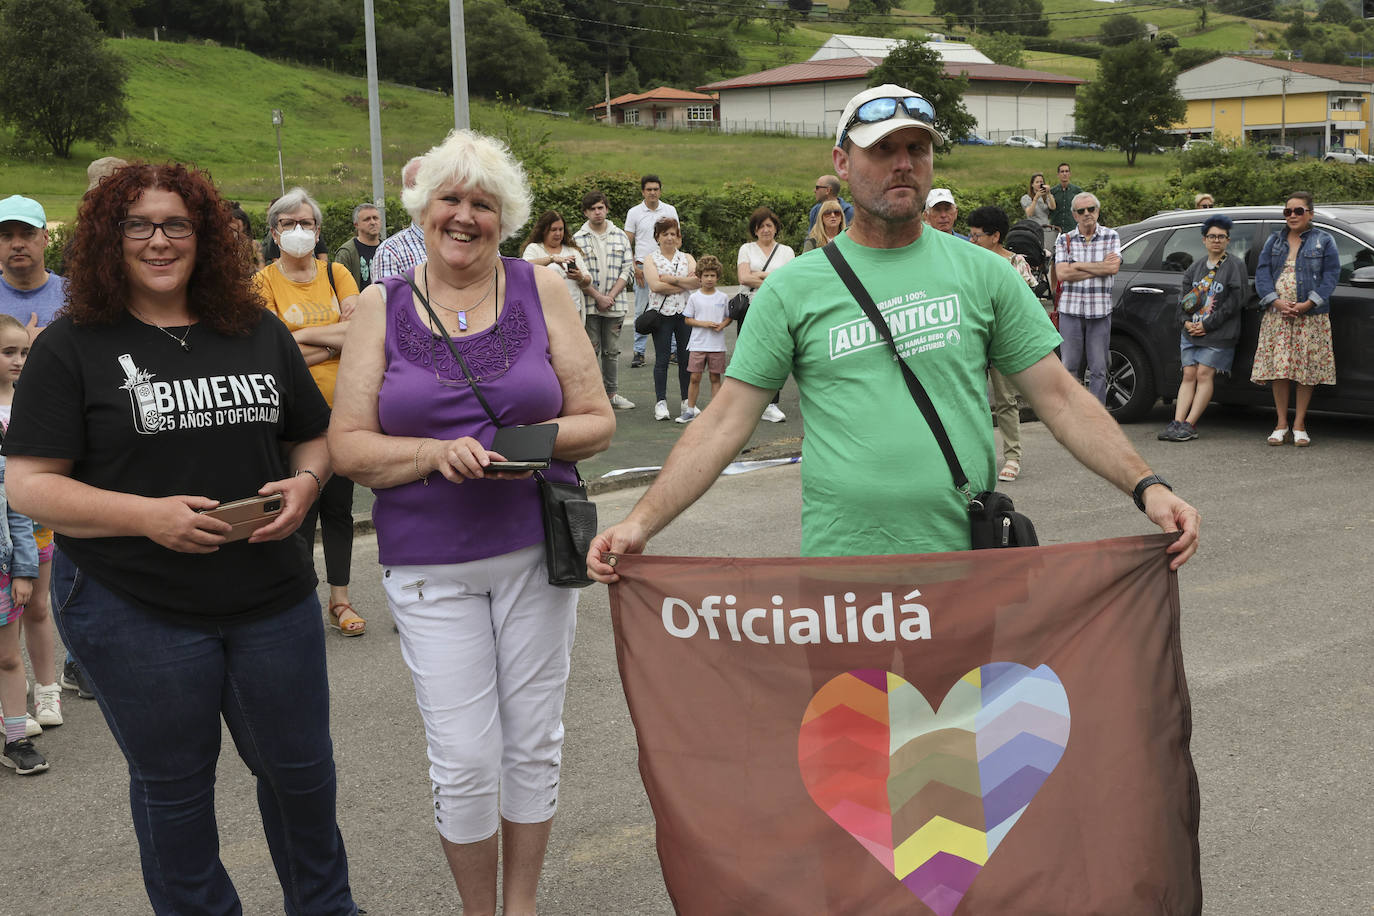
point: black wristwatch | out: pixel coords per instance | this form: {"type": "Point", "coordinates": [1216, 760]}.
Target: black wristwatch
{"type": "Point", "coordinates": [1138, 494]}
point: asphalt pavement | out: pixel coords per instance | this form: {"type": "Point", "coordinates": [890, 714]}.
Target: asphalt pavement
{"type": "Point", "coordinates": [1276, 637]}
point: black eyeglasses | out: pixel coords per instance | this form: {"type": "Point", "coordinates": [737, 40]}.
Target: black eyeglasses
{"type": "Point", "coordinates": [1294, 211]}
{"type": "Point", "coordinates": [1213, 237]}
{"type": "Point", "coordinates": [286, 225]}
{"type": "Point", "coordinates": [1081, 210]}
{"type": "Point", "coordinates": [875, 110]}
{"type": "Point", "coordinates": [140, 229]}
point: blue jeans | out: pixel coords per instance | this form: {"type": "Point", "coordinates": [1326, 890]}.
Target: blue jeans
{"type": "Point", "coordinates": [163, 686]}
{"type": "Point", "coordinates": [1087, 340]}
{"type": "Point", "coordinates": [671, 336]}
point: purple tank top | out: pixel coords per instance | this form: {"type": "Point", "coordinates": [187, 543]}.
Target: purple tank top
{"type": "Point", "coordinates": [424, 393]}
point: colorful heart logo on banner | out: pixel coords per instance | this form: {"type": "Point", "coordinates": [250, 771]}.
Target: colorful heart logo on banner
{"type": "Point", "coordinates": [932, 794]}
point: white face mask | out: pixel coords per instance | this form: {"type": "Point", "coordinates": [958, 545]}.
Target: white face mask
{"type": "Point", "coordinates": [297, 242]}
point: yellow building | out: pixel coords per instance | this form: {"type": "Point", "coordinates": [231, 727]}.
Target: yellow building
{"type": "Point", "coordinates": [1311, 107]}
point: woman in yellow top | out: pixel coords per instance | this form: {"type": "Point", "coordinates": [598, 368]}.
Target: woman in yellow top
{"type": "Point", "coordinates": [315, 299]}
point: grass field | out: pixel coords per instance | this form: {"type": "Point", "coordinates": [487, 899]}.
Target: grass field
{"type": "Point", "coordinates": [212, 106]}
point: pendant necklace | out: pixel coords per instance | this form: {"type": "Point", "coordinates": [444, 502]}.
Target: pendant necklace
{"type": "Point", "coordinates": [181, 341]}
{"type": "Point", "coordinates": [461, 313]}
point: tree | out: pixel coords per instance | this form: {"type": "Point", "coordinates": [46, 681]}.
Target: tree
{"type": "Point", "coordinates": [779, 21]}
{"type": "Point", "coordinates": [920, 68]}
{"type": "Point", "coordinates": [506, 57]}
{"type": "Point", "coordinates": [1201, 15]}
{"type": "Point", "coordinates": [60, 82]}
{"type": "Point", "coordinates": [1002, 48]}
{"type": "Point", "coordinates": [1022, 17]}
{"type": "Point", "coordinates": [1166, 42]}
{"type": "Point", "coordinates": [1132, 99]}
{"type": "Point", "coordinates": [1123, 28]}
{"type": "Point", "coordinates": [1337, 11]}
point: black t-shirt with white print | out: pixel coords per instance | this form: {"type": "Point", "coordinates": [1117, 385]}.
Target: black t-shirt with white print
{"type": "Point", "coordinates": [137, 414]}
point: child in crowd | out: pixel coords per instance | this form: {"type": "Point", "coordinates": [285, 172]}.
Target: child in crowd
{"type": "Point", "coordinates": [18, 572]}
{"type": "Point", "coordinates": [707, 314]}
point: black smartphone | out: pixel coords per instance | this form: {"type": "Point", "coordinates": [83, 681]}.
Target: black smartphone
{"type": "Point", "coordinates": [525, 448]}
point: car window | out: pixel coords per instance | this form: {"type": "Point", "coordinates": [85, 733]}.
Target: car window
{"type": "Point", "coordinates": [1184, 246]}
{"type": "Point", "coordinates": [1354, 253]}
{"type": "Point", "coordinates": [1136, 252]}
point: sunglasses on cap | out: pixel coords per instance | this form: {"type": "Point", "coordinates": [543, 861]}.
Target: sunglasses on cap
{"type": "Point", "coordinates": [1081, 210]}
{"type": "Point", "coordinates": [1294, 211]}
{"type": "Point", "coordinates": [875, 110]}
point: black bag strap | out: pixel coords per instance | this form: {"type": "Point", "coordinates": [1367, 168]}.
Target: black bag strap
{"type": "Point", "coordinates": [913, 384]}
{"type": "Point", "coordinates": [769, 260]}
{"type": "Point", "coordinates": [462, 364]}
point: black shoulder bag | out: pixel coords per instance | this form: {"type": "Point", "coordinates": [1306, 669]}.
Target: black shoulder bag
{"type": "Point", "coordinates": [993, 520]}
{"type": "Point", "coordinates": [569, 516]}
{"type": "Point", "coordinates": [739, 302]}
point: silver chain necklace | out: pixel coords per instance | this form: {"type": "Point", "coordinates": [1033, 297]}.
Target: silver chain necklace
{"type": "Point", "coordinates": [461, 313]}
{"type": "Point", "coordinates": [181, 341]}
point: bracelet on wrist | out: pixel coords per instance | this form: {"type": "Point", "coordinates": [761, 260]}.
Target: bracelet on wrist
{"type": "Point", "coordinates": [424, 478]}
{"type": "Point", "coordinates": [319, 486]}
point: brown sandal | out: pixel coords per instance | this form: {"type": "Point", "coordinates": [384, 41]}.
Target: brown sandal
{"type": "Point", "coordinates": [347, 621]}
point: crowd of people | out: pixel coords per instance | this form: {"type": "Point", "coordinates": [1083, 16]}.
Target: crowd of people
{"type": "Point", "coordinates": [181, 369]}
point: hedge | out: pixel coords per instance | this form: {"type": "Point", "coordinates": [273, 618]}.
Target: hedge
{"type": "Point", "coordinates": [717, 221]}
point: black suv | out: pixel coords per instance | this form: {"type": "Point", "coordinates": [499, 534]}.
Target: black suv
{"type": "Point", "coordinates": [1144, 364]}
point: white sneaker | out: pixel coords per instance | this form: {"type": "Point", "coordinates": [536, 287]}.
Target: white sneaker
{"type": "Point", "coordinates": [661, 410]}
{"type": "Point", "coordinates": [772, 414]}
{"type": "Point", "coordinates": [622, 403]}
{"type": "Point", "coordinates": [688, 414]}
{"type": "Point", "coordinates": [47, 704]}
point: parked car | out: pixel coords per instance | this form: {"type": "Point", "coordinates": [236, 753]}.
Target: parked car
{"type": "Point", "coordinates": [1144, 363]}
{"type": "Point", "coordinates": [1281, 152]}
{"type": "Point", "coordinates": [1346, 154]}
{"type": "Point", "coordinates": [1197, 144]}
{"type": "Point", "coordinates": [1023, 141]}
{"type": "Point", "coordinates": [975, 140]}
{"type": "Point", "coordinates": [1074, 141]}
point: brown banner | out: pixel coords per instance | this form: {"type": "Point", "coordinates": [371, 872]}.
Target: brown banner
{"type": "Point", "coordinates": [990, 732]}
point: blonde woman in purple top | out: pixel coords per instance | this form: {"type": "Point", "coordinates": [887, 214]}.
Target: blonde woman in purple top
{"type": "Point", "coordinates": [486, 638]}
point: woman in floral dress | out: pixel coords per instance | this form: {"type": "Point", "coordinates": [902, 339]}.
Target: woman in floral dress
{"type": "Point", "coordinates": [1295, 278]}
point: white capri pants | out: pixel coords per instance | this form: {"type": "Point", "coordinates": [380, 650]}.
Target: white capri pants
{"type": "Point", "coordinates": [488, 644]}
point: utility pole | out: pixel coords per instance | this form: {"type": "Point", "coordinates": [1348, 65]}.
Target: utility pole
{"type": "Point", "coordinates": [1283, 110]}
{"type": "Point", "coordinates": [460, 64]}
{"type": "Point", "coordinates": [374, 111]}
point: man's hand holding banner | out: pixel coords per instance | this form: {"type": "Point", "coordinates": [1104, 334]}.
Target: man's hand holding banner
{"type": "Point", "coordinates": [988, 732]}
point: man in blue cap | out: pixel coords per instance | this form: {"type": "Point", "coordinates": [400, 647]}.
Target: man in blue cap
{"type": "Point", "coordinates": [28, 290]}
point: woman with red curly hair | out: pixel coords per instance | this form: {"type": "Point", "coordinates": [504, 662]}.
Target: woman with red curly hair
{"type": "Point", "coordinates": [163, 390]}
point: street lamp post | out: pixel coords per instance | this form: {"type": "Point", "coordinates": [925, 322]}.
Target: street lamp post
{"type": "Point", "coordinates": [276, 123]}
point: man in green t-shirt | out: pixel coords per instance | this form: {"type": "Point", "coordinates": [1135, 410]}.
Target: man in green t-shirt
{"type": "Point", "coordinates": [1062, 214]}
{"type": "Point", "coordinates": [873, 477]}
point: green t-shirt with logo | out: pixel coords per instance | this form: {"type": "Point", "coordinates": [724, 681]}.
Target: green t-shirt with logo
{"type": "Point", "coordinates": [873, 478]}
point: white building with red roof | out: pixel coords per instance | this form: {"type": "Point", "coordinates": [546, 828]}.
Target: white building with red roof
{"type": "Point", "coordinates": [807, 98]}
{"type": "Point", "coordinates": [661, 107]}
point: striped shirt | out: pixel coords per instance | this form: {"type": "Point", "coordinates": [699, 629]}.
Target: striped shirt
{"type": "Point", "coordinates": [1090, 297]}
{"type": "Point", "coordinates": [399, 253]}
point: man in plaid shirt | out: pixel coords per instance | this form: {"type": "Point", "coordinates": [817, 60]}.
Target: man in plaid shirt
{"type": "Point", "coordinates": [611, 263]}
{"type": "Point", "coordinates": [405, 249]}
{"type": "Point", "coordinates": [1085, 260]}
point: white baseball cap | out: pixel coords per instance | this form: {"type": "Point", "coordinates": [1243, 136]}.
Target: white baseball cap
{"type": "Point", "coordinates": [908, 109]}
{"type": "Point", "coordinates": [939, 196]}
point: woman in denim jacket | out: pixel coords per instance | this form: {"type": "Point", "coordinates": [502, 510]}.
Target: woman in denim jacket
{"type": "Point", "coordinates": [1296, 276]}
{"type": "Point", "coordinates": [18, 571]}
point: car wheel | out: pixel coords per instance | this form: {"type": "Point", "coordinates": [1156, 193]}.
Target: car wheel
{"type": "Point", "coordinates": [1130, 381]}
{"type": "Point", "coordinates": [1329, 159]}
